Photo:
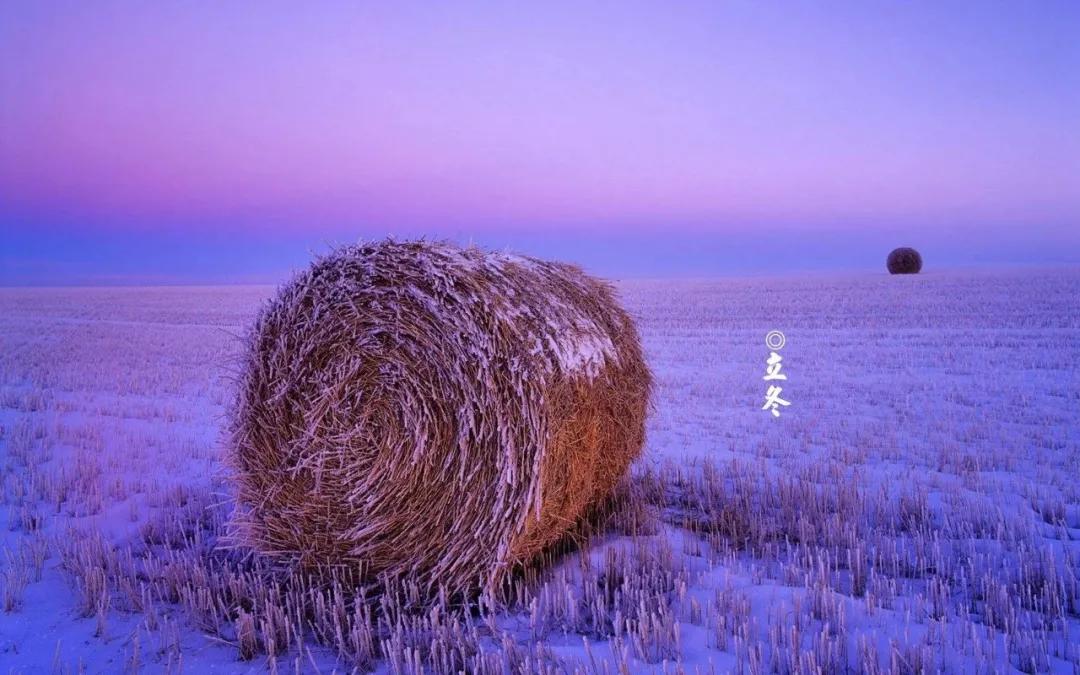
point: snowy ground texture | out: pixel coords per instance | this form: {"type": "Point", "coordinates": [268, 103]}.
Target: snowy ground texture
{"type": "Point", "coordinates": [915, 509]}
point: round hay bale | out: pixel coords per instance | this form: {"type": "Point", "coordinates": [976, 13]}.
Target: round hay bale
{"type": "Point", "coordinates": [904, 260]}
{"type": "Point", "coordinates": [414, 409]}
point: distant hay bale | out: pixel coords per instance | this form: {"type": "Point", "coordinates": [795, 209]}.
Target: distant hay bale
{"type": "Point", "coordinates": [420, 410]}
{"type": "Point", "coordinates": [904, 260]}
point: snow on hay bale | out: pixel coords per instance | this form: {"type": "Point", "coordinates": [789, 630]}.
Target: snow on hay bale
{"type": "Point", "coordinates": [419, 410]}
{"type": "Point", "coordinates": [904, 260]}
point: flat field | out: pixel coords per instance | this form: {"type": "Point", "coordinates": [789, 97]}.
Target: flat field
{"type": "Point", "coordinates": [916, 507]}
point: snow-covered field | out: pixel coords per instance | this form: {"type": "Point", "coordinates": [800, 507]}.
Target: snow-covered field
{"type": "Point", "coordinates": [916, 508]}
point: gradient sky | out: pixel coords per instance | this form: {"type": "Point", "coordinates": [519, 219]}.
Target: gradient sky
{"type": "Point", "coordinates": [186, 142]}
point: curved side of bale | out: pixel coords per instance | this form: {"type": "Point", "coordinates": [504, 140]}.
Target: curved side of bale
{"type": "Point", "coordinates": [415, 409]}
{"type": "Point", "coordinates": [598, 431]}
{"type": "Point", "coordinates": [904, 260]}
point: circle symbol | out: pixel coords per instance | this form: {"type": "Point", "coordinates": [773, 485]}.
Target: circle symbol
{"type": "Point", "coordinates": [775, 340]}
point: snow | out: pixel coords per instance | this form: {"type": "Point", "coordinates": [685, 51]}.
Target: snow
{"type": "Point", "coordinates": [582, 352]}
{"type": "Point", "coordinates": [941, 408]}
{"type": "Point", "coordinates": [579, 345]}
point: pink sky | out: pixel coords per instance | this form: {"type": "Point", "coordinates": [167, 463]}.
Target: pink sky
{"type": "Point", "coordinates": [700, 118]}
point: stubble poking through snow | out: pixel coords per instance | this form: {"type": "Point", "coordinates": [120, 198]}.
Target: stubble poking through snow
{"type": "Point", "coordinates": [917, 510]}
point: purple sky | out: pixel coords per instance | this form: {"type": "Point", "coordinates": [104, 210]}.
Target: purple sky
{"type": "Point", "coordinates": [224, 142]}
